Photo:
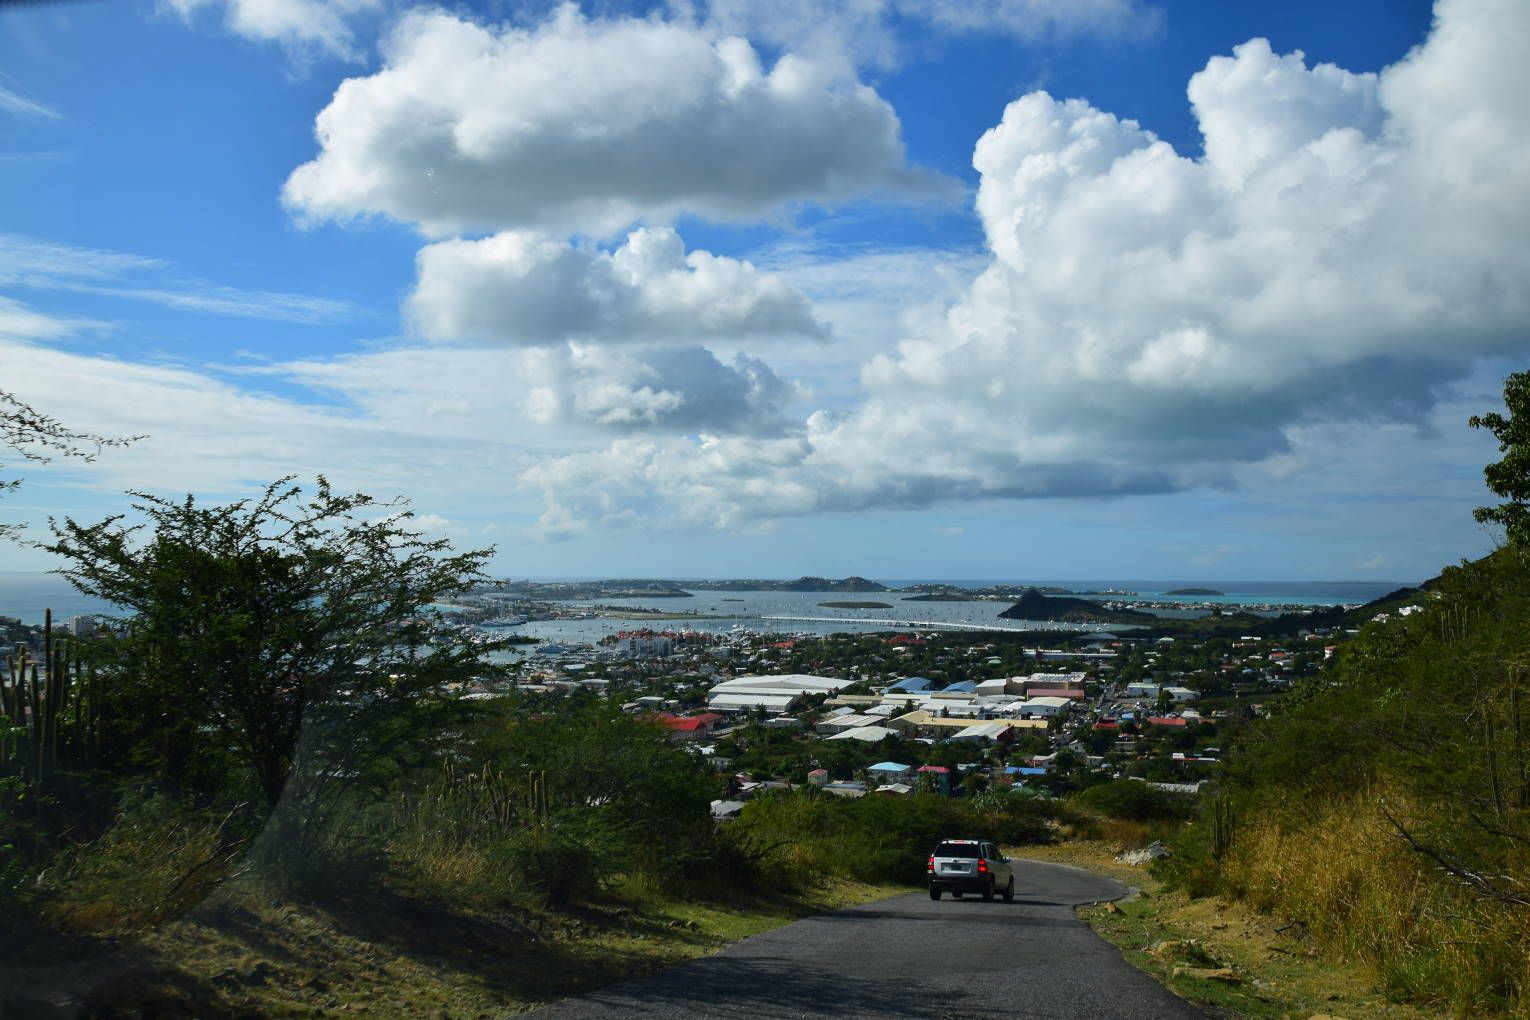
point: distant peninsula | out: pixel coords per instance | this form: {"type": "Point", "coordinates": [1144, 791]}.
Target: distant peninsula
{"type": "Point", "coordinates": [848, 584]}
{"type": "Point", "coordinates": [1195, 591]}
{"type": "Point", "coordinates": [1035, 606]}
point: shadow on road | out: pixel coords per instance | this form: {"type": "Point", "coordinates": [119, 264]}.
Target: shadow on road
{"type": "Point", "coordinates": [755, 987]}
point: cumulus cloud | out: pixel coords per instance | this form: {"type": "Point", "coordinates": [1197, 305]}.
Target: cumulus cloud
{"type": "Point", "coordinates": [305, 28]}
{"type": "Point", "coordinates": [525, 288]}
{"type": "Point", "coordinates": [551, 397]}
{"type": "Point", "coordinates": [1347, 245]}
{"type": "Point", "coordinates": [586, 125]}
{"type": "Point", "coordinates": [667, 389]}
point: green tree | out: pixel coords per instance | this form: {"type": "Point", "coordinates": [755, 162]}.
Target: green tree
{"type": "Point", "coordinates": [1509, 477]}
{"type": "Point", "coordinates": [275, 644]}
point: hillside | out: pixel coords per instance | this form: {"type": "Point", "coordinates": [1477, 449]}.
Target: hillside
{"type": "Point", "coordinates": [1061, 609]}
{"type": "Point", "coordinates": [1384, 807]}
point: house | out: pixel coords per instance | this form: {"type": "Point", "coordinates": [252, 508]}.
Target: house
{"type": "Point", "coordinates": [725, 809]}
{"type": "Point", "coordinates": [818, 777]}
{"type": "Point", "coordinates": [891, 772]}
{"type": "Point", "coordinates": [939, 777]}
{"type": "Point", "coordinates": [910, 685]}
{"type": "Point", "coordinates": [692, 727]}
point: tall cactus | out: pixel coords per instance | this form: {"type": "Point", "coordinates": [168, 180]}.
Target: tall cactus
{"type": "Point", "coordinates": [1222, 825]}
{"type": "Point", "coordinates": [51, 718]}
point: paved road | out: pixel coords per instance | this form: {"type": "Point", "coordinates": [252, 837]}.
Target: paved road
{"type": "Point", "coordinates": [911, 957]}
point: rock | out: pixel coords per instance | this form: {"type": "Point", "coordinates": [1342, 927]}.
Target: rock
{"type": "Point", "coordinates": [1151, 852]}
{"type": "Point", "coordinates": [1111, 908]}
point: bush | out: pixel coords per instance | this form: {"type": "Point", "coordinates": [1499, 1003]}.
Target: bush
{"type": "Point", "coordinates": [1137, 802]}
{"type": "Point", "coordinates": [158, 861]}
{"type": "Point", "coordinates": [880, 838]}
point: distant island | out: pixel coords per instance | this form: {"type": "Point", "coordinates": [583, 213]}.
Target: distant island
{"type": "Point", "coordinates": [856, 605]}
{"type": "Point", "coordinates": [1035, 606]}
{"type": "Point", "coordinates": [1195, 591]}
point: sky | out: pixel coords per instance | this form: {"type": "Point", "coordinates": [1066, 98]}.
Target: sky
{"type": "Point", "coordinates": [702, 288]}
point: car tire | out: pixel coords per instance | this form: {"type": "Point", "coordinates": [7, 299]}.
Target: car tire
{"type": "Point", "coordinates": [934, 893]}
{"type": "Point", "coordinates": [988, 892]}
{"type": "Point", "coordinates": [1009, 890]}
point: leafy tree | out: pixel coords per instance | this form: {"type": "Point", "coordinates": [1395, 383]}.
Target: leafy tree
{"type": "Point", "coordinates": [1509, 477]}
{"type": "Point", "coordinates": [276, 644]}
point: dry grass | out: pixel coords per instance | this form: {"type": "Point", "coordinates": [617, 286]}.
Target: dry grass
{"type": "Point", "coordinates": [1277, 970]}
{"type": "Point", "coordinates": [1365, 896]}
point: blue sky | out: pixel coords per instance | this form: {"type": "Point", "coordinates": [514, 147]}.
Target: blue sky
{"type": "Point", "coordinates": [1012, 288]}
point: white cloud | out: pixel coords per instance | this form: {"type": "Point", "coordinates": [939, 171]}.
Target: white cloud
{"type": "Point", "coordinates": [525, 288]}
{"type": "Point", "coordinates": [1347, 246]}
{"type": "Point", "coordinates": [305, 28]}
{"type": "Point", "coordinates": [554, 397]}
{"type": "Point", "coordinates": [882, 32]}
{"type": "Point", "coordinates": [18, 322]}
{"type": "Point", "coordinates": [21, 106]}
{"type": "Point", "coordinates": [581, 125]}
{"type": "Point", "coordinates": [46, 265]}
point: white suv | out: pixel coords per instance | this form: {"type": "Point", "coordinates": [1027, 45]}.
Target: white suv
{"type": "Point", "coordinates": [970, 865]}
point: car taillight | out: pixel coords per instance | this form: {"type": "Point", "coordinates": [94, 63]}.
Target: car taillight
{"type": "Point", "coordinates": [982, 866]}
{"type": "Point", "coordinates": [931, 865]}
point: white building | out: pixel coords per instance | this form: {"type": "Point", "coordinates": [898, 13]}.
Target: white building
{"type": "Point", "coordinates": [773, 694]}
{"type": "Point", "coordinates": [1044, 707]}
{"type": "Point", "coordinates": [640, 647]}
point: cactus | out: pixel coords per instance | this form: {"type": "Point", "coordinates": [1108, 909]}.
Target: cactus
{"type": "Point", "coordinates": [50, 718]}
{"type": "Point", "coordinates": [1222, 825]}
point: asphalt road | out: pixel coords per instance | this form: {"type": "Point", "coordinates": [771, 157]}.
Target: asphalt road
{"type": "Point", "coordinates": [911, 957]}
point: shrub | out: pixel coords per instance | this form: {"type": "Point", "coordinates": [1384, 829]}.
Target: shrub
{"type": "Point", "coordinates": [1137, 801]}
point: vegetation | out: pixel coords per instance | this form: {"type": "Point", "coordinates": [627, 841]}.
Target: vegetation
{"type": "Point", "coordinates": [877, 838]}
{"type": "Point", "coordinates": [1510, 477]}
{"type": "Point", "coordinates": [1386, 806]}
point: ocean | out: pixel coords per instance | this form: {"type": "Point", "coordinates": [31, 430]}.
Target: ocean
{"type": "Point", "coordinates": [27, 595]}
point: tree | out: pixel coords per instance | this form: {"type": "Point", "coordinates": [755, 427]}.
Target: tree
{"type": "Point", "coordinates": [277, 643]}
{"type": "Point", "coordinates": [39, 437]}
{"type": "Point", "coordinates": [1509, 477]}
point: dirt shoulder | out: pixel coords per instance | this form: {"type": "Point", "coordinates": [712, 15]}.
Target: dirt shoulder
{"type": "Point", "coordinates": [1219, 953]}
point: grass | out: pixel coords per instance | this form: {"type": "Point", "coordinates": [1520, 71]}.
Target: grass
{"type": "Point", "coordinates": [243, 953]}
{"type": "Point", "coordinates": [1265, 967]}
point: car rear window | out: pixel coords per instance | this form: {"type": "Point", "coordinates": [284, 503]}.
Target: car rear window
{"type": "Point", "coordinates": [957, 850]}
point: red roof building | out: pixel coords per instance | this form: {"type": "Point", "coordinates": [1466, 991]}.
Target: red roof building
{"type": "Point", "coordinates": [689, 725]}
